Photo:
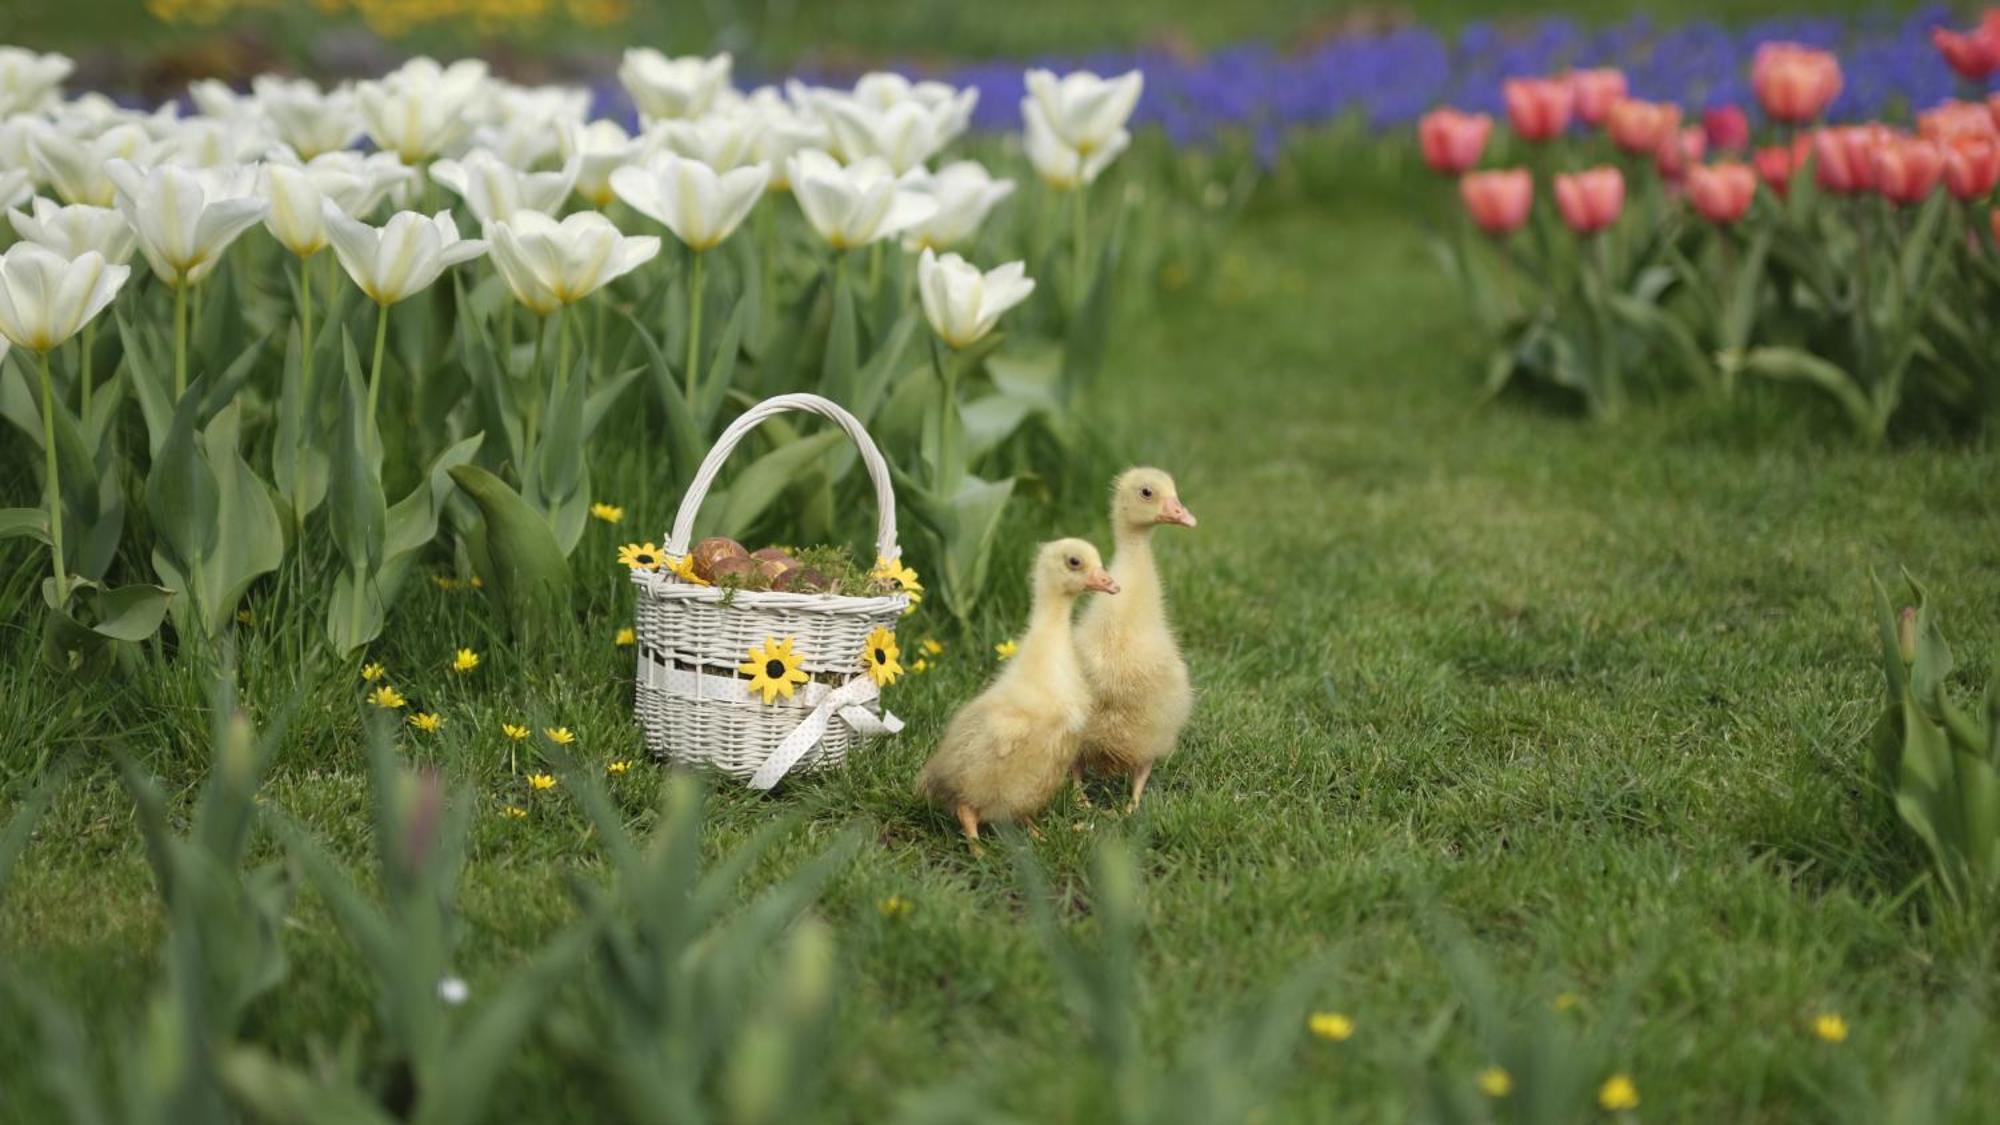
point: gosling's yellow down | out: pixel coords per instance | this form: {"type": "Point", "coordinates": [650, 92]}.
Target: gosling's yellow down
{"type": "Point", "coordinates": [1006, 752]}
{"type": "Point", "coordinates": [1140, 697]}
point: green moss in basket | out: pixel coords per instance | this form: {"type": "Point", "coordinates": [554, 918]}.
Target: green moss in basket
{"type": "Point", "coordinates": [813, 570]}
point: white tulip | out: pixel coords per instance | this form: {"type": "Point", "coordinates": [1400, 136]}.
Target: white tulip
{"type": "Point", "coordinates": [855, 205]}
{"type": "Point", "coordinates": [185, 218]}
{"type": "Point", "coordinates": [17, 186]}
{"type": "Point", "coordinates": [722, 140]}
{"type": "Point", "coordinates": [493, 190]}
{"type": "Point", "coordinates": [421, 109]}
{"type": "Point", "coordinates": [965, 193]}
{"type": "Point", "coordinates": [664, 88]}
{"type": "Point", "coordinates": [76, 230]}
{"type": "Point", "coordinates": [45, 298]}
{"type": "Point", "coordinates": [1085, 112]}
{"type": "Point", "coordinates": [74, 165]}
{"type": "Point", "coordinates": [311, 121]}
{"type": "Point", "coordinates": [209, 143]}
{"type": "Point", "coordinates": [400, 258]}
{"type": "Point", "coordinates": [599, 149]}
{"type": "Point", "coordinates": [28, 80]}
{"type": "Point", "coordinates": [349, 181]}
{"type": "Point", "coordinates": [905, 135]}
{"type": "Point", "coordinates": [962, 303]}
{"type": "Point", "coordinates": [550, 264]}
{"type": "Point", "coordinates": [700, 205]}
{"type": "Point", "coordinates": [14, 134]}
{"type": "Point", "coordinates": [781, 131]}
{"type": "Point", "coordinates": [550, 107]}
{"type": "Point", "coordinates": [220, 101]}
{"type": "Point", "coordinates": [1059, 165]}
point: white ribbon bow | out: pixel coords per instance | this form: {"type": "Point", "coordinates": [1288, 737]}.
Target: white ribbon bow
{"type": "Point", "coordinates": [846, 701]}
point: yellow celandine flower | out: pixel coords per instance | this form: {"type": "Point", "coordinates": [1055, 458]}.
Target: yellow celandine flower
{"type": "Point", "coordinates": [619, 768]}
{"type": "Point", "coordinates": [1006, 649]}
{"type": "Point", "coordinates": [243, 617]}
{"type": "Point", "coordinates": [932, 647]}
{"type": "Point", "coordinates": [1564, 1001]}
{"type": "Point", "coordinates": [372, 672]}
{"type": "Point", "coordinates": [1618, 1093]}
{"type": "Point", "coordinates": [895, 906]}
{"type": "Point", "coordinates": [1830, 1027]}
{"type": "Point", "coordinates": [445, 582]}
{"type": "Point", "coordinates": [609, 513]}
{"type": "Point", "coordinates": [626, 638]}
{"type": "Point", "coordinates": [1495, 1082]}
{"type": "Point", "coordinates": [514, 812]}
{"type": "Point", "coordinates": [920, 666]}
{"type": "Point", "coordinates": [639, 556]}
{"type": "Point", "coordinates": [561, 736]}
{"type": "Point", "coordinates": [903, 576]}
{"type": "Point", "coordinates": [387, 698]}
{"type": "Point", "coordinates": [1334, 1026]}
{"type": "Point", "coordinates": [541, 782]}
{"type": "Point", "coordinates": [683, 569]}
{"type": "Point", "coordinates": [513, 731]}
{"type": "Point", "coordinates": [465, 661]}
{"type": "Point", "coordinates": [427, 721]}
{"type": "Point", "coordinates": [882, 657]}
{"type": "Point", "coordinates": [773, 668]}
{"type": "Point", "coordinates": [477, 583]}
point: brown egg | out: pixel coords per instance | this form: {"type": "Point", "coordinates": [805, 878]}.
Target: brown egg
{"type": "Point", "coordinates": [735, 569]}
{"type": "Point", "coordinates": [765, 553]}
{"type": "Point", "coordinates": [773, 569]}
{"type": "Point", "coordinates": [802, 580]}
{"type": "Point", "coordinates": [710, 552]}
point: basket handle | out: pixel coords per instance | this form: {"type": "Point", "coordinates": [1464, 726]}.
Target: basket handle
{"type": "Point", "coordinates": [878, 470]}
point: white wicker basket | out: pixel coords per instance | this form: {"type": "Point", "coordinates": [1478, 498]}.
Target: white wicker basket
{"type": "Point", "coordinates": [695, 706]}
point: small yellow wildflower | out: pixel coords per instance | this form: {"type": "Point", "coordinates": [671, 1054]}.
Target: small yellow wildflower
{"type": "Point", "coordinates": [639, 556]}
{"type": "Point", "coordinates": [895, 906]}
{"type": "Point", "coordinates": [626, 638]}
{"type": "Point", "coordinates": [931, 646]}
{"type": "Point", "coordinates": [426, 721]}
{"type": "Point", "coordinates": [465, 661]}
{"type": "Point", "coordinates": [477, 583]}
{"type": "Point", "coordinates": [1564, 1001]}
{"type": "Point", "coordinates": [1830, 1027]}
{"type": "Point", "coordinates": [514, 731]}
{"type": "Point", "coordinates": [372, 672]}
{"type": "Point", "coordinates": [243, 617]}
{"type": "Point", "coordinates": [1005, 650]}
{"type": "Point", "coordinates": [619, 768]}
{"type": "Point", "coordinates": [444, 582]}
{"type": "Point", "coordinates": [1495, 1082]}
{"type": "Point", "coordinates": [1618, 1093]}
{"type": "Point", "coordinates": [514, 812]}
{"type": "Point", "coordinates": [387, 698]}
{"type": "Point", "coordinates": [541, 782]}
{"type": "Point", "coordinates": [561, 736]}
{"type": "Point", "coordinates": [683, 569]}
{"type": "Point", "coordinates": [920, 665]}
{"type": "Point", "coordinates": [1331, 1025]}
{"type": "Point", "coordinates": [609, 513]}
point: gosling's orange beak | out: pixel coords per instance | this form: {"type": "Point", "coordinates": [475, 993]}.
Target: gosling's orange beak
{"type": "Point", "coordinates": [1101, 581]}
{"type": "Point", "coordinates": [1176, 512]}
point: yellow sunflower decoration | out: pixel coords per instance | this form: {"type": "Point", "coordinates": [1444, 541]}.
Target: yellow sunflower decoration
{"type": "Point", "coordinates": [639, 556]}
{"type": "Point", "coordinates": [903, 576]}
{"type": "Point", "coordinates": [773, 668]}
{"type": "Point", "coordinates": [882, 658]}
{"type": "Point", "coordinates": [683, 569]}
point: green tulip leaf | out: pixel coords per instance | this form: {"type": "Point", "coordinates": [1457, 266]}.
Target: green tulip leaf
{"type": "Point", "coordinates": [181, 491]}
{"type": "Point", "coordinates": [131, 613]}
{"type": "Point", "coordinates": [524, 567]}
{"type": "Point", "coordinates": [25, 523]}
{"type": "Point", "coordinates": [356, 510]}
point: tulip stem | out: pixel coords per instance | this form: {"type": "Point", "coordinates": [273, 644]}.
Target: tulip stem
{"type": "Point", "coordinates": [298, 454]}
{"type": "Point", "coordinates": [535, 400]}
{"type": "Point", "coordinates": [695, 285]}
{"type": "Point", "coordinates": [948, 467]}
{"type": "Point", "coordinates": [375, 370]}
{"type": "Point", "coordinates": [180, 340]}
{"type": "Point", "coordinates": [84, 374]}
{"type": "Point", "coordinates": [1081, 206]}
{"type": "Point", "coordinates": [54, 483]}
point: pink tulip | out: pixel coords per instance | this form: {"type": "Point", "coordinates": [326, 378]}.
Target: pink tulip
{"type": "Point", "coordinates": [1591, 200]}
{"type": "Point", "coordinates": [1948, 119]}
{"type": "Point", "coordinates": [1640, 126]}
{"type": "Point", "coordinates": [1907, 168]}
{"type": "Point", "coordinates": [1974, 54]}
{"type": "Point", "coordinates": [1538, 108]}
{"type": "Point", "coordinates": [1721, 192]}
{"type": "Point", "coordinates": [1452, 141]}
{"type": "Point", "coordinates": [1794, 82]}
{"type": "Point", "coordinates": [1498, 201]}
{"type": "Point", "coordinates": [1679, 150]}
{"type": "Point", "coordinates": [1595, 92]}
{"type": "Point", "coordinates": [1844, 157]}
{"type": "Point", "coordinates": [1727, 126]}
{"type": "Point", "coordinates": [1971, 166]}
{"type": "Point", "coordinates": [1776, 163]}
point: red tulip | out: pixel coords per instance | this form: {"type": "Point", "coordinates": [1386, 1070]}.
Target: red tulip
{"type": "Point", "coordinates": [1907, 168]}
{"type": "Point", "coordinates": [1950, 118]}
{"type": "Point", "coordinates": [1844, 157]}
{"type": "Point", "coordinates": [1595, 92]}
{"type": "Point", "coordinates": [1498, 201]}
{"type": "Point", "coordinates": [1727, 126]}
{"type": "Point", "coordinates": [1776, 163]}
{"type": "Point", "coordinates": [1591, 200]}
{"type": "Point", "coordinates": [1639, 126]}
{"type": "Point", "coordinates": [1538, 108]}
{"type": "Point", "coordinates": [1971, 166]}
{"type": "Point", "coordinates": [1452, 141]}
{"type": "Point", "coordinates": [1794, 82]}
{"type": "Point", "coordinates": [1974, 54]}
{"type": "Point", "coordinates": [1679, 150]}
{"type": "Point", "coordinates": [1721, 192]}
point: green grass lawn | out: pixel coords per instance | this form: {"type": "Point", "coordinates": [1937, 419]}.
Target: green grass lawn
{"type": "Point", "coordinates": [1600, 695]}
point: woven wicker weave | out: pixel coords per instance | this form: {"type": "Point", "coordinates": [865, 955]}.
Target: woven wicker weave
{"type": "Point", "coordinates": [693, 703]}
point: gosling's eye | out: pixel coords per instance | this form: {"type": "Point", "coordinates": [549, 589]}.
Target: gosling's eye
{"type": "Point", "coordinates": [1075, 562]}
{"type": "Point", "coordinates": [1145, 493]}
